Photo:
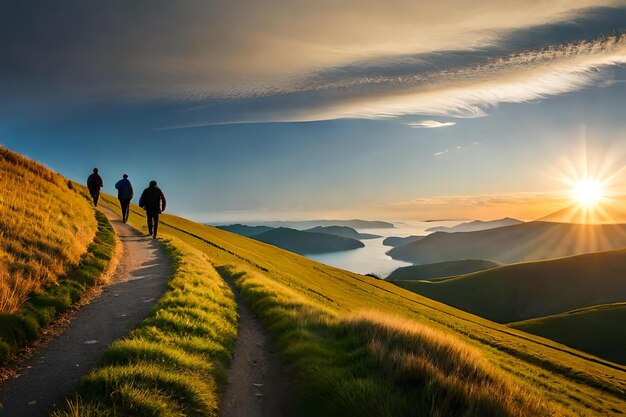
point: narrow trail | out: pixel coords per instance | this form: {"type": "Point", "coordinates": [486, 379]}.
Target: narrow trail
{"type": "Point", "coordinates": [55, 370]}
{"type": "Point", "coordinates": [257, 387]}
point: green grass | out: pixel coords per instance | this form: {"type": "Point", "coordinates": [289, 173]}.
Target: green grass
{"type": "Point", "coordinates": [375, 364]}
{"type": "Point", "coordinates": [599, 330]}
{"type": "Point", "coordinates": [26, 324]}
{"type": "Point", "coordinates": [321, 321]}
{"type": "Point", "coordinates": [175, 361]}
{"type": "Point", "coordinates": [533, 289]}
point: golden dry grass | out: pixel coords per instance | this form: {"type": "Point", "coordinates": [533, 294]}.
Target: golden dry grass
{"type": "Point", "coordinates": [45, 227]}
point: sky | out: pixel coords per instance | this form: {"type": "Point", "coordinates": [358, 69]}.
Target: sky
{"type": "Point", "coordinates": [285, 110]}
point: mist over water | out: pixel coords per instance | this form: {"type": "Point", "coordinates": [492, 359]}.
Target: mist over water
{"type": "Point", "coordinates": [372, 259]}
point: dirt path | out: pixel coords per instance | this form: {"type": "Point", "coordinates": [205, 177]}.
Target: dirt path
{"type": "Point", "coordinates": [256, 385]}
{"type": "Point", "coordinates": [55, 370]}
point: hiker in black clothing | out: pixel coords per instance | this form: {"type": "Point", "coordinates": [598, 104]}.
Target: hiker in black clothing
{"type": "Point", "coordinates": [124, 194]}
{"type": "Point", "coordinates": [94, 183]}
{"type": "Point", "coordinates": [153, 201]}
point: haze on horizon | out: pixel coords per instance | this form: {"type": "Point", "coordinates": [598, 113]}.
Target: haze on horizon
{"type": "Point", "coordinates": [299, 110]}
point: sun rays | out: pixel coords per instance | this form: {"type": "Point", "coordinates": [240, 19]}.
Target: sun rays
{"type": "Point", "coordinates": [594, 188]}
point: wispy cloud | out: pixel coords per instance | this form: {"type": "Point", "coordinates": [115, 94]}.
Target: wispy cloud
{"type": "Point", "coordinates": [430, 124]}
{"type": "Point", "coordinates": [463, 92]}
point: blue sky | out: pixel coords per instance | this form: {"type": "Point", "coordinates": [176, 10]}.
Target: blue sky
{"type": "Point", "coordinates": [299, 114]}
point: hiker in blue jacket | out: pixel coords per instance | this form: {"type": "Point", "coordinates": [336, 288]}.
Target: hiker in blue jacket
{"type": "Point", "coordinates": [124, 194]}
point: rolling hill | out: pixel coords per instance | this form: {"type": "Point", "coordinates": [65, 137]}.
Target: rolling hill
{"type": "Point", "coordinates": [533, 289]}
{"type": "Point", "coordinates": [599, 330]}
{"type": "Point", "coordinates": [476, 225]}
{"type": "Point", "coordinates": [306, 242]}
{"type": "Point", "coordinates": [401, 241]}
{"type": "Point", "coordinates": [343, 231]}
{"type": "Point", "coordinates": [351, 345]}
{"type": "Point", "coordinates": [440, 269]}
{"type": "Point", "coordinates": [333, 328]}
{"type": "Point", "coordinates": [518, 243]}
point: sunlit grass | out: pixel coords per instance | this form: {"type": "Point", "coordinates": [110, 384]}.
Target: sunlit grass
{"type": "Point", "coordinates": [373, 363]}
{"type": "Point", "coordinates": [40, 308]}
{"type": "Point", "coordinates": [174, 362]}
{"type": "Point", "coordinates": [45, 227]}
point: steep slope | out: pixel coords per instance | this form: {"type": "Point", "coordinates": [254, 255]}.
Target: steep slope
{"type": "Point", "coordinates": [599, 330]}
{"type": "Point", "coordinates": [45, 227]}
{"type": "Point", "coordinates": [440, 269]}
{"type": "Point", "coordinates": [523, 242]}
{"type": "Point", "coordinates": [534, 289]}
{"type": "Point", "coordinates": [306, 242]}
{"type": "Point", "coordinates": [342, 231]}
{"type": "Point", "coordinates": [476, 225]}
{"type": "Point", "coordinates": [401, 241]}
{"type": "Point", "coordinates": [337, 331]}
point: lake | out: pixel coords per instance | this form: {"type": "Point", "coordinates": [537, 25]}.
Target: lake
{"type": "Point", "coordinates": [373, 258]}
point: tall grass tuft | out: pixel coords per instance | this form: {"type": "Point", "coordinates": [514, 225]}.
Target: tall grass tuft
{"type": "Point", "coordinates": [45, 228]}
{"type": "Point", "coordinates": [372, 363]}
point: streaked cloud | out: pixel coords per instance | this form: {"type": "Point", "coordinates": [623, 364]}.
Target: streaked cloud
{"type": "Point", "coordinates": [463, 92]}
{"type": "Point", "coordinates": [430, 124]}
{"type": "Point", "coordinates": [240, 61]}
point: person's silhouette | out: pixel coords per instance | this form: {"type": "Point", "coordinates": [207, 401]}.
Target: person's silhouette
{"type": "Point", "coordinates": [94, 184]}
{"type": "Point", "coordinates": [124, 194]}
{"type": "Point", "coordinates": [153, 201]}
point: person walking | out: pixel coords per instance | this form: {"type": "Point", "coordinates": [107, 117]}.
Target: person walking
{"type": "Point", "coordinates": [124, 194]}
{"type": "Point", "coordinates": [94, 184]}
{"type": "Point", "coordinates": [153, 201]}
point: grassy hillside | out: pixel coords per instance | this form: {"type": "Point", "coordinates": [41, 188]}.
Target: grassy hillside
{"type": "Point", "coordinates": [355, 346]}
{"type": "Point", "coordinates": [599, 330]}
{"type": "Point", "coordinates": [307, 242]}
{"type": "Point", "coordinates": [441, 269]}
{"type": "Point", "coordinates": [534, 289]}
{"type": "Point", "coordinates": [519, 243]}
{"type": "Point", "coordinates": [45, 227]}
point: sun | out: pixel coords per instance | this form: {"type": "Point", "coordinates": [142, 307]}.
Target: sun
{"type": "Point", "coordinates": [588, 192]}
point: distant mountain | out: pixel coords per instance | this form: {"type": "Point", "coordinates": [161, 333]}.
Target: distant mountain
{"type": "Point", "coordinates": [533, 289]}
{"type": "Point", "coordinates": [598, 330]}
{"type": "Point", "coordinates": [401, 241]}
{"type": "Point", "coordinates": [476, 225]}
{"type": "Point", "coordinates": [441, 269]}
{"type": "Point", "coordinates": [243, 230]}
{"type": "Point", "coordinates": [522, 242]}
{"type": "Point", "coordinates": [307, 224]}
{"type": "Point", "coordinates": [307, 242]}
{"type": "Point", "coordinates": [343, 231]}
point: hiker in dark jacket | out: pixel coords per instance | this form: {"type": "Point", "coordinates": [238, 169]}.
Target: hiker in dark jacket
{"type": "Point", "coordinates": [153, 201]}
{"type": "Point", "coordinates": [94, 183]}
{"type": "Point", "coordinates": [124, 194]}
